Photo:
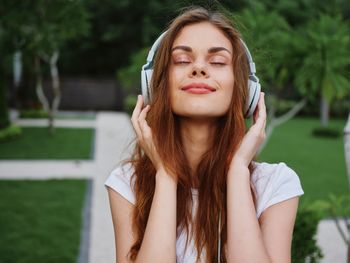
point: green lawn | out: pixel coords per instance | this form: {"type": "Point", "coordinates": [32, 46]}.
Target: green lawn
{"type": "Point", "coordinates": [36, 143]}
{"type": "Point", "coordinates": [40, 221]}
{"type": "Point", "coordinates": [319, 162]}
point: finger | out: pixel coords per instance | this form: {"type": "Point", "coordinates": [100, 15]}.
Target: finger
{"type": "Point", "coordinates": [261, 107]}
{"type": "Point", "coordinates": [257, 110]}
{"type": "Point", "coordinates": [135, 115]}
{"type": "Point", "coordinates": [264, 113]}
{"type": "Point", "coordinates": [260, 117]}
{"type": "Point", "coordinates": [145, 129]}
{"type": "Point", "coordinates": [138, 108]}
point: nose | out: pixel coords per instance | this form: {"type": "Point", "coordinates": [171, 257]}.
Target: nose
{"type": "Point", "coordinates": [199, 70]}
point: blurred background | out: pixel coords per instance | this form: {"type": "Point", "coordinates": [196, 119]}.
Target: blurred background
{"type": "Point", "coordinates": [69, 77]}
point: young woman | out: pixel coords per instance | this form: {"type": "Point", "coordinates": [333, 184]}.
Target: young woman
{"type": "Point", "coordinates": [191, 191]}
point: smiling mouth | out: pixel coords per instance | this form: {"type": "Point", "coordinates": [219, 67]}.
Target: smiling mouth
{"type": "Point", "coordinates": [198, 88]}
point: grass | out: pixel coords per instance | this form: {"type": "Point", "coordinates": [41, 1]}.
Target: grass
{"type": "Point", "coordinates": [319, 162]}
{"type": "Point", "coordinates": [36, 143]}
{"type": "Point", "coordinates": [40, 221]}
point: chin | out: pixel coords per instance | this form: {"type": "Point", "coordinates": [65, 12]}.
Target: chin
{"type": "Point", "coordinates": [199, 113]}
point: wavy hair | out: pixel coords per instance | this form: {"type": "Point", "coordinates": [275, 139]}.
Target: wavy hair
{"type": "Point", "coordinates": [213, 167]}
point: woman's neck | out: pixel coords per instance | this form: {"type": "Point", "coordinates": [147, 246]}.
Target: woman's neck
{"type": "Point", "coordinates": [197, 137]}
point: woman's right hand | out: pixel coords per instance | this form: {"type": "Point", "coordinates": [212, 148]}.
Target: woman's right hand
{"type": "Point", "coordinates": [144, 133]}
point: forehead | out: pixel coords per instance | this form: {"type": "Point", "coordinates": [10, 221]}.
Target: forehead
{"type": "Point", "coordinates": [202, 35]}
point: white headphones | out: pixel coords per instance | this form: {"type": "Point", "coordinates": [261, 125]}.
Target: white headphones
{"type": "Point", "coordinates": [253, 81]}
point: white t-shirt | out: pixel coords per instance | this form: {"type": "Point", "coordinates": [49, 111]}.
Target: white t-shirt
{"type": "Point", "coordinates": [273, 183]}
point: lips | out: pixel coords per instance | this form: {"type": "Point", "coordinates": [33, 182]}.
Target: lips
{"type": "Point", "coordinates": [198, 88]}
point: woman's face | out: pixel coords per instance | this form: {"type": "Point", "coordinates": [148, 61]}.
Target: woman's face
{"type": "Point", "coordinates": [201, 72]}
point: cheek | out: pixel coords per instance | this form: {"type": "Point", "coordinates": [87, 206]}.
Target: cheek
{"type": "Point", "coordinates": [175, 80]}
{"type": "Point", "coordinates": [226, 80]}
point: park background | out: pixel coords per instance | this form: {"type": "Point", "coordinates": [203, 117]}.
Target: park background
{"type": "Point", "coordinates": [70, 73]}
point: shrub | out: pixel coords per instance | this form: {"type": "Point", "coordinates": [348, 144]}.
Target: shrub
{"type": "Point", "coordinates": [33, 113]}
{"type": "Point", "coordinates": [326, 132]}
{"type": "Point", "coordinates": [10, 132]}
{"type": "Point", "coordinates": [129, 103]}
{"type": "Point", "coordinates": [304, 245]}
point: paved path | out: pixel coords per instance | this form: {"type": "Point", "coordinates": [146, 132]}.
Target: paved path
{"type": "Point", "coordinates": [113, 135]}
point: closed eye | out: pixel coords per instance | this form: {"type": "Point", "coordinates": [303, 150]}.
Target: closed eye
{"type": "Point", "coordinates": [218, 63]}
{"type": "Point", "coordinates": [182, 62]}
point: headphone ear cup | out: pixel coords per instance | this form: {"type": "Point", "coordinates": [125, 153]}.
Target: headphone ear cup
{"type": "Point", "coordinates": [252, 102]}
{"type": "Point", "coordinates": [146, 76]}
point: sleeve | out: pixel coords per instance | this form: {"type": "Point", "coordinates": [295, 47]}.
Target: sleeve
{"type": "Point", "coordinates": [286, 185]}
{"type": "Point", "coordinates": [120, 181]}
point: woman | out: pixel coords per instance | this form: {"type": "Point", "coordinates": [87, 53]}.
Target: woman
{"type": "Point", "coordinates": [191, 191]}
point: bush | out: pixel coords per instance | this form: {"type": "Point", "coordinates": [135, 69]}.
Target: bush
{"type": "Point", "coordinates": [130, 76]}
{"type": "Point", "coordinates": [33, 113]}
{"type": "Point", "coordinates": [9, 133]}
{"type": "Point", "coordinates": [129, 103]}
{"type": "Point", "coordinates": [304, 245]}
{"type": "Point", "coordinates": [326, 132]}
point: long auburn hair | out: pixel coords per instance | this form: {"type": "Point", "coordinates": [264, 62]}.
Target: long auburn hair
{"type": "Point", "coordinates": [213, 167]}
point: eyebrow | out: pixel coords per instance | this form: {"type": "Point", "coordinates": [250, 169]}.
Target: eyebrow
{"type": "Point", "coordinates": [210, 50]}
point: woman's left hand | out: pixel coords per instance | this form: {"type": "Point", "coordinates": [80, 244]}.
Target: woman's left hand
{"type": "Point", "coordinates": [254, 137]}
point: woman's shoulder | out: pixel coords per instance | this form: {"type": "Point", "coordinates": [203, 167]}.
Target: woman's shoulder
{"type": "Point", "coordinates": [277, 172]}
{"type": "Point", "coordinates": [121, 181]}
{"type": "Point", "coordinates": [274, 183]}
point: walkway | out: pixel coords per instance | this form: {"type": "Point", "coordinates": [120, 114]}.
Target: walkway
{"type": "Point", "coordinates": [113, 135]}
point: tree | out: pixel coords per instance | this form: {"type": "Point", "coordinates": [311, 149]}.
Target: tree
{"type": "Point", "coordinates": [58, 21]}
{"type": "Point", "coordinates": [270, 39]}
{"type": "Point", "coordinates": [4, 117]}
{"type": "Point", "coordinates": [14, 22]}
{"type": "Point", "coordinates": [42, 28]}
{"type": "Point", "coordinates": [326, 50]}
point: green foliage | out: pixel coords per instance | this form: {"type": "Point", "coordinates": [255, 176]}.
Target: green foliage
{"type": "Point", "coordinates": [42, 25]}
{"type": "Point", "coordinates": [129, 104]}
{"type": "Point", "coordinates": [299, 12]}
{"type": "Point", "coordinates": [4, 116]}
{"type": "Point", "coordinates": [268, 36]}
{"type": "Point", "coordinates": [282, 105]}
{"type": "Point", "coordinates": [33, 113]}
{"type": "Point", "coordinates": [130, 76]}
{"type": "Point", "coordinates": [119, 29]}
{"type": "Point", "coordinates": [304, 245]}
{"type": "Point", "coordinates": [324, 69]}
{"type": "Point", "coordinates": [334, 205]}
{"type": "Point", "coordinates": [326, 132]}
{"type": "Point", "coordinates": [10, 132]}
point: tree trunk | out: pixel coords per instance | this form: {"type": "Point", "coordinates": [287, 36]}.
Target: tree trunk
{"type": "Point", "coordinates": [324, 109]}
{"type": "Point", "coordinates": [39, 86]}
{"type": "Point", "coordinates": [347, 146]}
{"type": "Point", "coordinates": [55, 87]}
{"type": "Point", "coordinates": [17, 76]}
{"type": "Point", "coordinates": [274, 122]}
{"type": "Point", "coordinates": [17, 69]}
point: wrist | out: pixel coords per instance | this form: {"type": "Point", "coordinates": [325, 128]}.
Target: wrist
{"type": "Point", "coordinates": [238, 164]}
{"type": "Point", "coordinates": [163, 176]}
{"type": "Point", "coordinates": [238, 170]}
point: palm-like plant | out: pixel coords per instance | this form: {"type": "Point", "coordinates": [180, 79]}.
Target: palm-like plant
{"type": "Point", "coordinates": [326, 46]}
{"type": "Point", "coordinates": [271, 42]}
